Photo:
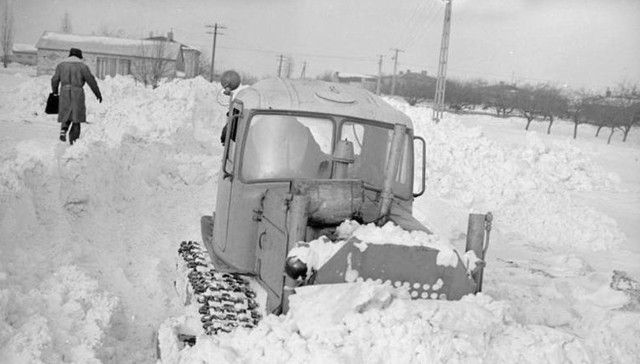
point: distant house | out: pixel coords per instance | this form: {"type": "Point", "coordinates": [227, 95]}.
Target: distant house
{"type": "Point", "coordinates": [191, 55]}
{"type": "Point", "coordinates": [413, 81]}
{"type": "Point", "coordinates": [24, 54]}
{"type": "Point", "coordinates": [416, 77]}
{"type": "Point", "coordinates": [108, 56]}
{"type": "Point", "coordinates": [365, 81]}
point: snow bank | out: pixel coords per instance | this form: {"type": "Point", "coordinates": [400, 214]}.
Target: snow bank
{"type": "Point", "coordinates": [63, 319]}
{"type": "Point", "coordinates": [529, 187]}
{"type": "Point", "coordinates": [115, 205]}
{"type": "Point", "coordinates": [369, 323]}
{"type": "Point", "coordinates": [89, 233]}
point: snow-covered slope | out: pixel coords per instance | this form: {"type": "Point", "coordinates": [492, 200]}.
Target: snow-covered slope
{"type": "Point", "coordinates": [89, 236]}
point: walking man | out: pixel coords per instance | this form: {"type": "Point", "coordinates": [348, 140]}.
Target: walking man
{"type": "Point", "coordinates": [71, 74]}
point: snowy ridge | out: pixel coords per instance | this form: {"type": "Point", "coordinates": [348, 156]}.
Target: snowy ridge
{"type": "Point", "coordinates": [89, 237]}
{"type": "Point", "coordinates": [68, 315]}
{"type": "Point", "coordinates": [370, 323]}
{"type": "Point", "coordinates": [115, 205]}
{"type": "Point", "coordinates": [530, 187]}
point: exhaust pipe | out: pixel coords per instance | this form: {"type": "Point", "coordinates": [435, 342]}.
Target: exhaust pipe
{"type": "Point", "coordinates": [391, 171]}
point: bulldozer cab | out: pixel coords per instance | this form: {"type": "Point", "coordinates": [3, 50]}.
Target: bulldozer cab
{"type": "Point", "coordinates": [299, 158]}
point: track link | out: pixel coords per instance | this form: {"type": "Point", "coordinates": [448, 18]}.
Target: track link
{"type": "Point", "coordinates": [226, 299]}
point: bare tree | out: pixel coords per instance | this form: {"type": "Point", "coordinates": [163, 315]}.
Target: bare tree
{"type": "Point", "coordinates": [542, 101]}
{"type": "Point", "coordinates": [629, 107]}
{"type": "Point", "coordinates": [463, 95]}
{"type": "Point", "coordinates": [553, 103]}
{"type": "Point", "coordinates": [580, 110]}
{"type": "Point", "coordinates": [326, 76]}
{"type": "Point", "coordinates": [414, 88]}
{"type": "Point", "coordinates": [602, 114]}
{"type": "Point", "coordinates": [153, 63]}
{"type": "Point", "coordinates": [527, 102]}
{"type": "Point", "coordinates": [204, 66]}
{"type": "Point", "coordinates": [500, 97]}
{"type": "Point", "coordinates": [66, 24]}
{"type": "Point", "coordinates": [6, 32]}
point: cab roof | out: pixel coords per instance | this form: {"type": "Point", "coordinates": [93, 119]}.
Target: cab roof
{"type": "Point", "coordinates": [322, 97]}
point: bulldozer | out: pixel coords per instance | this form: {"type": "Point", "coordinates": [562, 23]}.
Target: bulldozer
{"type": "Point", "coordinates": [300, 158]}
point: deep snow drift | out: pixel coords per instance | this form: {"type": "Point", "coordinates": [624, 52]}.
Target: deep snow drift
{"type": "Point", "coordinates": [89, 237]}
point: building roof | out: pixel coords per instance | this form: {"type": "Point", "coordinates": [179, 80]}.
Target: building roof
{"type": "Point", "coordinates": [501, 88]}
{"type": "Point", "coordinates": [25, 48]}
{"type": "Point", "coordinates": [355, 75]}
{"type": "Point", "coordinates": [103, 45]}
{"type": "Point", "coordinates": [168, 39]}
{"type": "Point", "coordinates": [322, 97]}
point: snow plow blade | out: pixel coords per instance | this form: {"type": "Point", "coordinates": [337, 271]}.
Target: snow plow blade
{"type": "Point", "coordinates": [414, 267]}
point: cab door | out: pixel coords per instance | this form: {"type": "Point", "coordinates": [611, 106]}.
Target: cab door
{"type": "Point", "coordinates": [226, 178]}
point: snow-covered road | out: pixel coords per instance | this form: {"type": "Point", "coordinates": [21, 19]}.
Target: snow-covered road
{"type": "Point", "coordinates": [89, 237]}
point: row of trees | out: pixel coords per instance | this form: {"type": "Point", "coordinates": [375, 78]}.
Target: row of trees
{"type": "Point", "coordinates": [619, 110]}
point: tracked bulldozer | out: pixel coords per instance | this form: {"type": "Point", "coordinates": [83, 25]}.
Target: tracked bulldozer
{"type": "Point", "coordinates": [300, 158]}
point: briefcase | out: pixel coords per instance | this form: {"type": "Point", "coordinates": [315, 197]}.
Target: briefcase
{"type": "Point", "coordinates": [52, 104]}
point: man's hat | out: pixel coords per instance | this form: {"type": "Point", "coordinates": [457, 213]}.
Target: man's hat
{"type": "Point", "coordinates": [75, 52]}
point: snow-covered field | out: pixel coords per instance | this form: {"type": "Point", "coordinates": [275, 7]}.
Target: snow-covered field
{"type": "Point", "coordinates": [89, 237]}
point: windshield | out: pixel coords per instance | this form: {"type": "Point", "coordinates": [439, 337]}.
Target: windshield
{"type": "Point", "coordinates": [290, 146]}
{"type": "Point", "coordinates": [284, 147]}
{"type": "Point", "coordinates": [372, 146]}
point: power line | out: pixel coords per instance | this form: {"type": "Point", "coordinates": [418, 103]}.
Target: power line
{"type": "Point", "coordinates": [276, 52]}
{"type": "Point", "coordinates": [421, 24]}
{"type": "Point", "coordinates": [413, 22]}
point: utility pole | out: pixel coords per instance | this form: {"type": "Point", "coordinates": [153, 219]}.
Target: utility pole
{"type": "Point", "coordinates": [438, 108]}
{"type": "Point", "coordinates": [379, 75]}
{"type": "Point", "coordinates": [280, 57]}
{"type": "Point", "coordinates": [304, 68]}
{"type": "Point", "coordinates": [395, 70]}
{"type": "Point", "coordinates": [213, 49]}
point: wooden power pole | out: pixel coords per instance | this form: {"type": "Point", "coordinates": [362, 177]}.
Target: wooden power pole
{"type": "Point", "coordinates": [395, 70]}
{"type": "Point", "coordinates": [438, 107]}
{"type": "Point", "coordinates": [304, 70]}
{"type": "Point", "coordinates": [280, 58]}
{"type": "Point", "coordinates": [213, 49]}
{"type": "Point", "coordinates": [379, 76]}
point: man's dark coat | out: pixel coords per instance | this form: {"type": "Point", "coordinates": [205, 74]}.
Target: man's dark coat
{"type": "Point", "coordinates": [72, 74]}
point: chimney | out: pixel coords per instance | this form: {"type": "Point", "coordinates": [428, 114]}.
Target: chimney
{"type": "Point", "coordinates": [170, 36]}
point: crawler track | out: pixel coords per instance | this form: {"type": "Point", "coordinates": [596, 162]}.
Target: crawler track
{"type": "Point", "coordinates": [226, 299]}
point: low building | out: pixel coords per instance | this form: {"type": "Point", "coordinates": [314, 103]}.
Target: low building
{"type": "Point", "coordinates": [354, 79]}
{"type": "Point", "coordinates": [24, 54]}
{"type": "Point", "coordinates": [191, 55]}
{"type": "Point", "coordinates": [109, 56]}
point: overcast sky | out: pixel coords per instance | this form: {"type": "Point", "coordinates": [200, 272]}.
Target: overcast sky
{"type": "Point", "coordinates": [581, 43]}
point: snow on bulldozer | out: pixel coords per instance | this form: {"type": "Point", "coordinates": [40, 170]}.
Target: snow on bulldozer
{"type": "Point", "coordinates": [312, 174]}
